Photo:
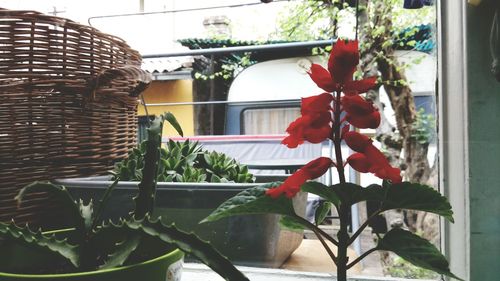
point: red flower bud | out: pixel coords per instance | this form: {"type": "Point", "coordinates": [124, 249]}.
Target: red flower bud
{"type": "Point", "coordinates": [357, 141]}
{"type": "Point", "coordinates": [312, 170]}
{"type": "Point", "coordinates": [343, 60]}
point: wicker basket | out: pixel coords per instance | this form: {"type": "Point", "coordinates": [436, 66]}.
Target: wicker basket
{"type": "Point", "coordinates": [68, 100]}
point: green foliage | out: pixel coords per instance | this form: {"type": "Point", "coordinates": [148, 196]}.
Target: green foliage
{"type": "Point", "coordinates": [424, 127]}
{"type": "Point", "coordinates": [89, 246]}
{"type": "Point", "coordinates": [403, 269]}
{"type": "Point", "coordinates": [389, 196]}
{"type": "Point", "coordinates": [415, 250]}
{"type": "Point", "coordinates": [185, 162]}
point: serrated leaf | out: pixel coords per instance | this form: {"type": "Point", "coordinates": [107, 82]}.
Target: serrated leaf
{"type": "Point", "coordinates": [322, 212]}
{"type": "Point", "coordinates": [405, 195]}
{"type": "Point", "coordinates": [322, 191]}
{"type": "Point", "coordinates": [61, 196]}
{"type": "Point", "coordinates": [253, 201]}
{"type": "Point", "coordinates": [122, 251]}
{"type": "Point", "coordinates": [415, 250]}
{"type": "Point", "coordinates": [37, 240]}
{"type": "Point", "coordinates": [414, 196]}
{"type": "Point", "coordinates": [190, 243]}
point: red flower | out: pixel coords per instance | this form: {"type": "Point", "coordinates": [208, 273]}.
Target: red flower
{"type": "Point", "coordinates": [342, 64]}
{"type": "Point", "coordinates": [311, 170]}
{"type": "Point", "coordinates": [360, 113]}
{"type": "Point", "coordinates": [369, 158]}
{"type": "Point", "coordinates": [343, 60]}
{"type": "Point", "coordinates": [316, 104]}
{"type": "Point", "coordinates": [313, 128]}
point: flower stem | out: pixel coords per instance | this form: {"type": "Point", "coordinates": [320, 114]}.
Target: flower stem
{"type": "Point", "coordinates": [316, 230]}
{"type": "Point", "coordinates": [343, 235]}
{"type": "Point", "coordinates": [337, 140]}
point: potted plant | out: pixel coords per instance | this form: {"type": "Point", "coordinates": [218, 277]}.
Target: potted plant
{"type": "Point", "coordinates": [192, 182]}
{"type": "Point", "coordinates": [133, 248]}
{"type": "Point", "coordinates": [333, 115]}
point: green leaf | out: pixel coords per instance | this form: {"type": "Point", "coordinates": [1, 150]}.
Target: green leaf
{"type": "Point", "coordinates": [322, 211]}
{"type": "Point", "coordinates": [322, 191]}
{"type": "Point", "coordinates": [415, 250]}
{"type": "Point", "coordinates": [405, 195]}
{"type": "Point", "coordinates": [189, 243]}
{"type": "Point", "coordinates": [414, 196]}
{"type": "Point", "coordinates": [122, 251]}
{"type": "Point", "coordinates": [292, 224]}
{"type": "Point", "coordinates": [86, 211]}
{"type": "Point", "coordinates": [39, 241]}
{"type": "Point", "coordinates": [170, 118]}
{"type": "Point", "coordinates": [61, 196]}
{"type": "Point", "coordinates": [253, 201]}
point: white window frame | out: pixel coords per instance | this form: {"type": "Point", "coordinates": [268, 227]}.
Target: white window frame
{"type": "Point", "coordinates": [453, 131]}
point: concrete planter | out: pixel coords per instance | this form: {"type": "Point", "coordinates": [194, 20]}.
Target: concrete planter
{"type": "Point", "coordinates": [245, 240]}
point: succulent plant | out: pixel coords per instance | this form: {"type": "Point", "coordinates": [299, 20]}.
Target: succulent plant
{"type": "Point", "coordinates": [186, 162]}
{"type": "Point", "coordinates": [91, 245]}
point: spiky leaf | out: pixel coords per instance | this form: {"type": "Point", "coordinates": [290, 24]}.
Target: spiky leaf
{"type": "Point", "coordinates": [415, 250]}
{"type": "Point", "coordinates": [122, 251]}
{"type": "Point", "coordinates": [253, 201]}
{"type": "Point", "coordinates": [144, 201]}
{"type": "Point", "coordinates": [61, 196]}
{"type": "Point", "coordinates": [189, 243]}
{"type": "Point", "coordinates": [38, 242]}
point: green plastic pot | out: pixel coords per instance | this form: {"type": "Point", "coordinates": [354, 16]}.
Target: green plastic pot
{"type": "Point", "coordinates": [167, 267]}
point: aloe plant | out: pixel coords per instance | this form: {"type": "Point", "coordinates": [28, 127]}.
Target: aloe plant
{"type": "Point", "coordinates": [186, 162]}
{"type": "Point", "coordinates": [91, 245]}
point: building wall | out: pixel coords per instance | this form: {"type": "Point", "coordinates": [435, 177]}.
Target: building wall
{"type": "Point", "coordinates": [170, 92]}
{"type": "Point", "coordinates": [484, 147]}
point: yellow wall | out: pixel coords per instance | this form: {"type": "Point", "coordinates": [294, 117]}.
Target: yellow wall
{"type": "Point", "coordinates": [171, 91]}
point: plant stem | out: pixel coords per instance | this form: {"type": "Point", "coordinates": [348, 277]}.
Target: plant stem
{"type": "Point", "coordinates": [363, 226]}
{"type": "Point", "coordinates": [343, 237]}
{"type": "Point", "coordinates": [328, 250]}
{"type": "Point", "coordinates": [316, 230]}
{"type": "Point", "coordinates": [343, 209]}
{"type": "Point", "coordinates": [337, 138]}
{"type": "Point", "coordinates": [354, 262]}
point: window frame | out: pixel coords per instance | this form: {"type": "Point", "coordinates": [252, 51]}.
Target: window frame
{"type": "Point", "coordinates": [453, 131]}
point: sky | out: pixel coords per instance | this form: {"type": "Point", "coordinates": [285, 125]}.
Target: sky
{"type": "Point", "coordinates": [156, 33]}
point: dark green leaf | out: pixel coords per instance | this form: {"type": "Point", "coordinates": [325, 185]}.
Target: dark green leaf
{"type": "Point", "coordinates": [416, 196]}
{"type": "Point", "coordinates": [405, 195]}
{"type": "Point", "coordinates": [415, 250]}
{"type": "Point", "coordinates": [322, 191]}
{"type": "Point", "coordinates": [61, 196]}
{"type": "Point", "coordinates": [253, 201]}
{"type": "Point", "coordinates": [122, 251]}
{"type": "Point", "coordinates": [170, 118]}
{"type": "Point", "coordinates": [38, 242]}
{"type": "Point", "coordinates": [322, 211]}
{"type": "Point", "coordinates": [189, 243]}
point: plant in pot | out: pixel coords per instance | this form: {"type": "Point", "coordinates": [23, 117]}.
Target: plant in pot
{"type": "Point", "coordinates": [134, 248]}
{"type": "Point", "coordinates": [191, 183]}
{"type": "Point", "coordinates": [332, 115]}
